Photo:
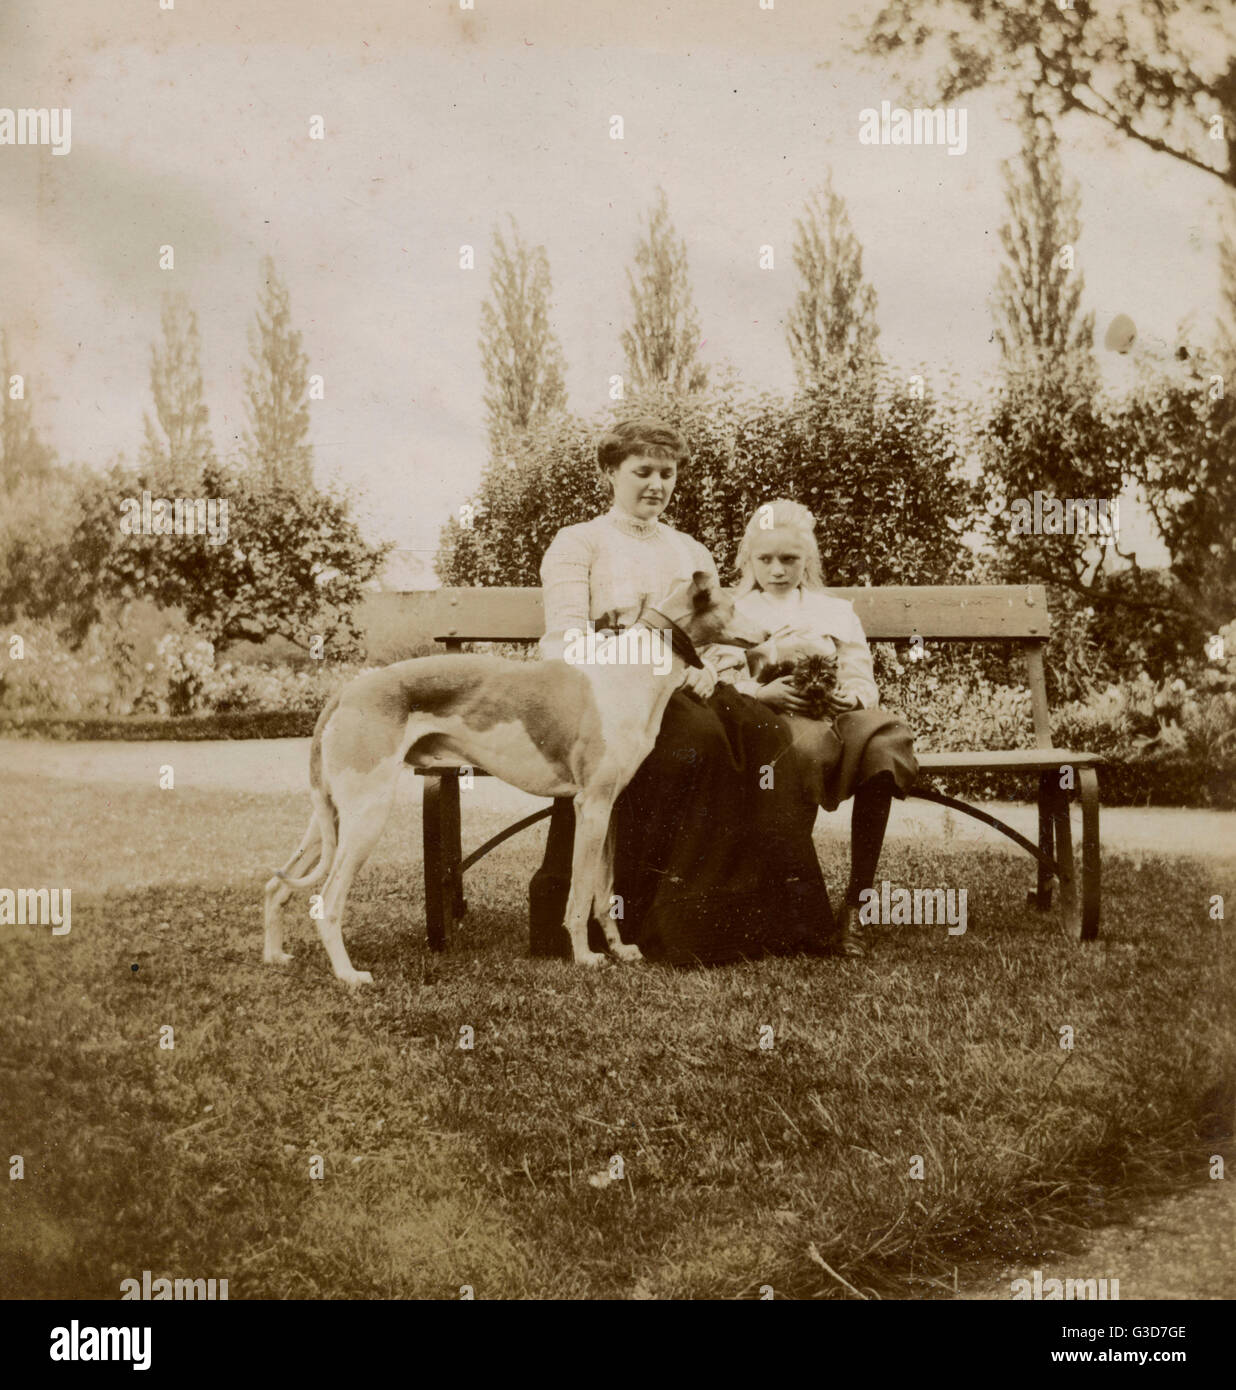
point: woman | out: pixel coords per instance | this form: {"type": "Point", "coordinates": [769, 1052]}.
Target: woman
{"type": "Point", "coordinates": [713, 855]}
{"type": "Point", "coordinates": [869, 754]}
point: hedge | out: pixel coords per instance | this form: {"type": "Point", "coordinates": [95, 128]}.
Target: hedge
{"type": "Point", "coordinates": [146, 728]}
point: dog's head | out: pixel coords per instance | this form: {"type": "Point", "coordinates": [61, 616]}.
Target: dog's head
{"type": "Point", "coordinates": [706, 613]}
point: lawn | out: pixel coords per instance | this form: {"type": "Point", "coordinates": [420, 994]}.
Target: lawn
{"type": "Point", "coordinates": [612, 1134]}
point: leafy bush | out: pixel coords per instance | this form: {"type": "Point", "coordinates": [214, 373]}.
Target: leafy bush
{"type": "Point", "coordinates": [877, 467]}
{"type": "Point", "coordinates": [292, 564]}
{"type": "Point", "coordinates": [1171, 442]}
{"type": "Point", "coordinates": [952, 710]}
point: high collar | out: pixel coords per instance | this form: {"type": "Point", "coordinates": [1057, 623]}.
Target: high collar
{"type": "Point", "coordinates": [793, 599]}
{"type": "Point", "coordinates": [631, 525]}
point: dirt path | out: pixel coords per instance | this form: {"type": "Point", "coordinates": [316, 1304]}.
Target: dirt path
{"type": "Point", "coordinates": [281, 765]}
{"type": "Point", "coordinates": [1183, 1247]}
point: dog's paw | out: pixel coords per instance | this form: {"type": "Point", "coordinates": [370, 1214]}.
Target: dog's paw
{"type": "Point", "coordinates": [592, 958]}
{"type": "Point", "coordinates": [277, 957]}
{"type": "Point", "coordinates": [627, 953]}
{"type": "Point", "coordinates": [357, 977]}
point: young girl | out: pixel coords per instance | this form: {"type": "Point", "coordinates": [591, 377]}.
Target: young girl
{"type": "Point", "coordinates": [870, 753]}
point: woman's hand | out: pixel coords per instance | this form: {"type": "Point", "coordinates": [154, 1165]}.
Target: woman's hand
{"type": "Point", "coordinates": [781, 695]}
{"type": "Point", "coordinates": [701, 681]}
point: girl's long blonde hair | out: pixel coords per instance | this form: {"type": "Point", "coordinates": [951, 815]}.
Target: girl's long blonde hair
{"type": "Point", "coordinates": [794, 517]}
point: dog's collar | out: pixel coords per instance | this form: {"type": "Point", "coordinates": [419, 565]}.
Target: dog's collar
{"type": "Point", "coordinates": [680, 643]}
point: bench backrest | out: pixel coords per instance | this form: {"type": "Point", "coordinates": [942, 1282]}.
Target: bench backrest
{"type": "Point", "coordinates": [939, 613]}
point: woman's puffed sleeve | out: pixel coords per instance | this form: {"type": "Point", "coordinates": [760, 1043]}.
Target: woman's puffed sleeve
{"type": "Point", "coordinates": [855, 671]}
{"type": "Point", "coordinates": [565, 571]}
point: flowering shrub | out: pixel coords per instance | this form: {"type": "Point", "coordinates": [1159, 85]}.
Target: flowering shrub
{"type": "Point", "coordinates": [1170, 743]}
{"type": "Point", "coordinates": [193, 684]}
{"type": "Point", "coordinates": [52, 678]}
{"type": "Point", "coordinates": [1180, 741]}
{"type": "Point", "coordinates": [278, 687]}
{"type": "Point", "coordinates": [186, 665]}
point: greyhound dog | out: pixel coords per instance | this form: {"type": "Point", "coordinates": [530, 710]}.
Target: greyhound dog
{"type": "Point", "coordinates": [550, 728]}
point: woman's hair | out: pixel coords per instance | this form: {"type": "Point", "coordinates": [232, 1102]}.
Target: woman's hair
{"type": "Point", "coordinates": [794, 517]}
{"type": "Point", "coordinates": [643, 435]}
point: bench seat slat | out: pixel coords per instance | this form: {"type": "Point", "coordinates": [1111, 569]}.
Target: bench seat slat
{"type": "Point", "coordinates": [1029, 759]}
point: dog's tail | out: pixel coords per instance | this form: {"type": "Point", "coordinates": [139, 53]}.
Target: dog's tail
{"type": "Point", "coordinates": [324, 808]}
{"type": "Point", "coordinates": [328, 829]}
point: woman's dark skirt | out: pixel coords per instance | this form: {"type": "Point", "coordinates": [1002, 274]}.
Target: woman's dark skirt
{"type": "Point", "coordinates": [714, 860]}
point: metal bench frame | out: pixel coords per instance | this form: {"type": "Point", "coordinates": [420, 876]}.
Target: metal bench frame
{"type": "Point", "coordinates": [970, 613]}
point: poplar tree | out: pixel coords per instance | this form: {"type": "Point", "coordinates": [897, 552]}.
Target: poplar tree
{"type": "Point", "coordinates": [1037, 305]}
{"type": "Point", "coordinates": [24, 457]}
{"type": "Point", "coordinates": [520, 354]}
{"type": "Point", "coordinates": [662, 342]}
{"type": "Point", "coordinates": [276, 445]}
{"type": "Point", "coordinates": [177, 447]}
{"type": "Point", "coordinates": [832, 323]}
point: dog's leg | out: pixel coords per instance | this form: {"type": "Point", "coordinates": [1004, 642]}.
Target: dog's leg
{"type": "Point", "coordinates": [592, 813]}
{"type": "Point", "coordinates": [602, 906]}
{"type": "Point", "coordinates": [364, 801]}
{"type": "Point", "coordinates": [278, 892]}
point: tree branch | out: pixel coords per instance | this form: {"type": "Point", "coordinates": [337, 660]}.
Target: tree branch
{"type": "Point", "coordinates": [1123, 124]}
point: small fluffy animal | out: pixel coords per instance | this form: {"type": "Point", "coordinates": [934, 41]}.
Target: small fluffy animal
{"type": "Point", "coordinates": [809, 661]}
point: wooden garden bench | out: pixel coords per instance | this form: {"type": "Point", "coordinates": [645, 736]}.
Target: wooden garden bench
{"type": "Point", "coordinates": [962, 613]}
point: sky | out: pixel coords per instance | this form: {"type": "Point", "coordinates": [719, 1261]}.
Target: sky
{"type": "Point", "coordinates": [190, 127]}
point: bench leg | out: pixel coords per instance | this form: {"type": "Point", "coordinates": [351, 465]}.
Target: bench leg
{"type": "Point", "coordinates": [454, 846]}
{"type": "Point", "coordinates": [1091, 884]}
{"type": "Point", "coordinates": [1048, 786]}
{"type": "Point", "coordinates": [551, 885]}
{"type": "Point", "coordinates": [1081, 895]}
{"type": "Point", "coordinates": [442, 855]}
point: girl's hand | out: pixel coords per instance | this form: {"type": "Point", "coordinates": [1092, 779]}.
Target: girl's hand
{"type": "Point", "coordinates": [841, 704]}
{"type": "Point", "coordinates": [781, 695]}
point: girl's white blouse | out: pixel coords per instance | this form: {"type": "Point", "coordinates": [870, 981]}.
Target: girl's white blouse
{"type": "Point", "coordinates": [822, 615]}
